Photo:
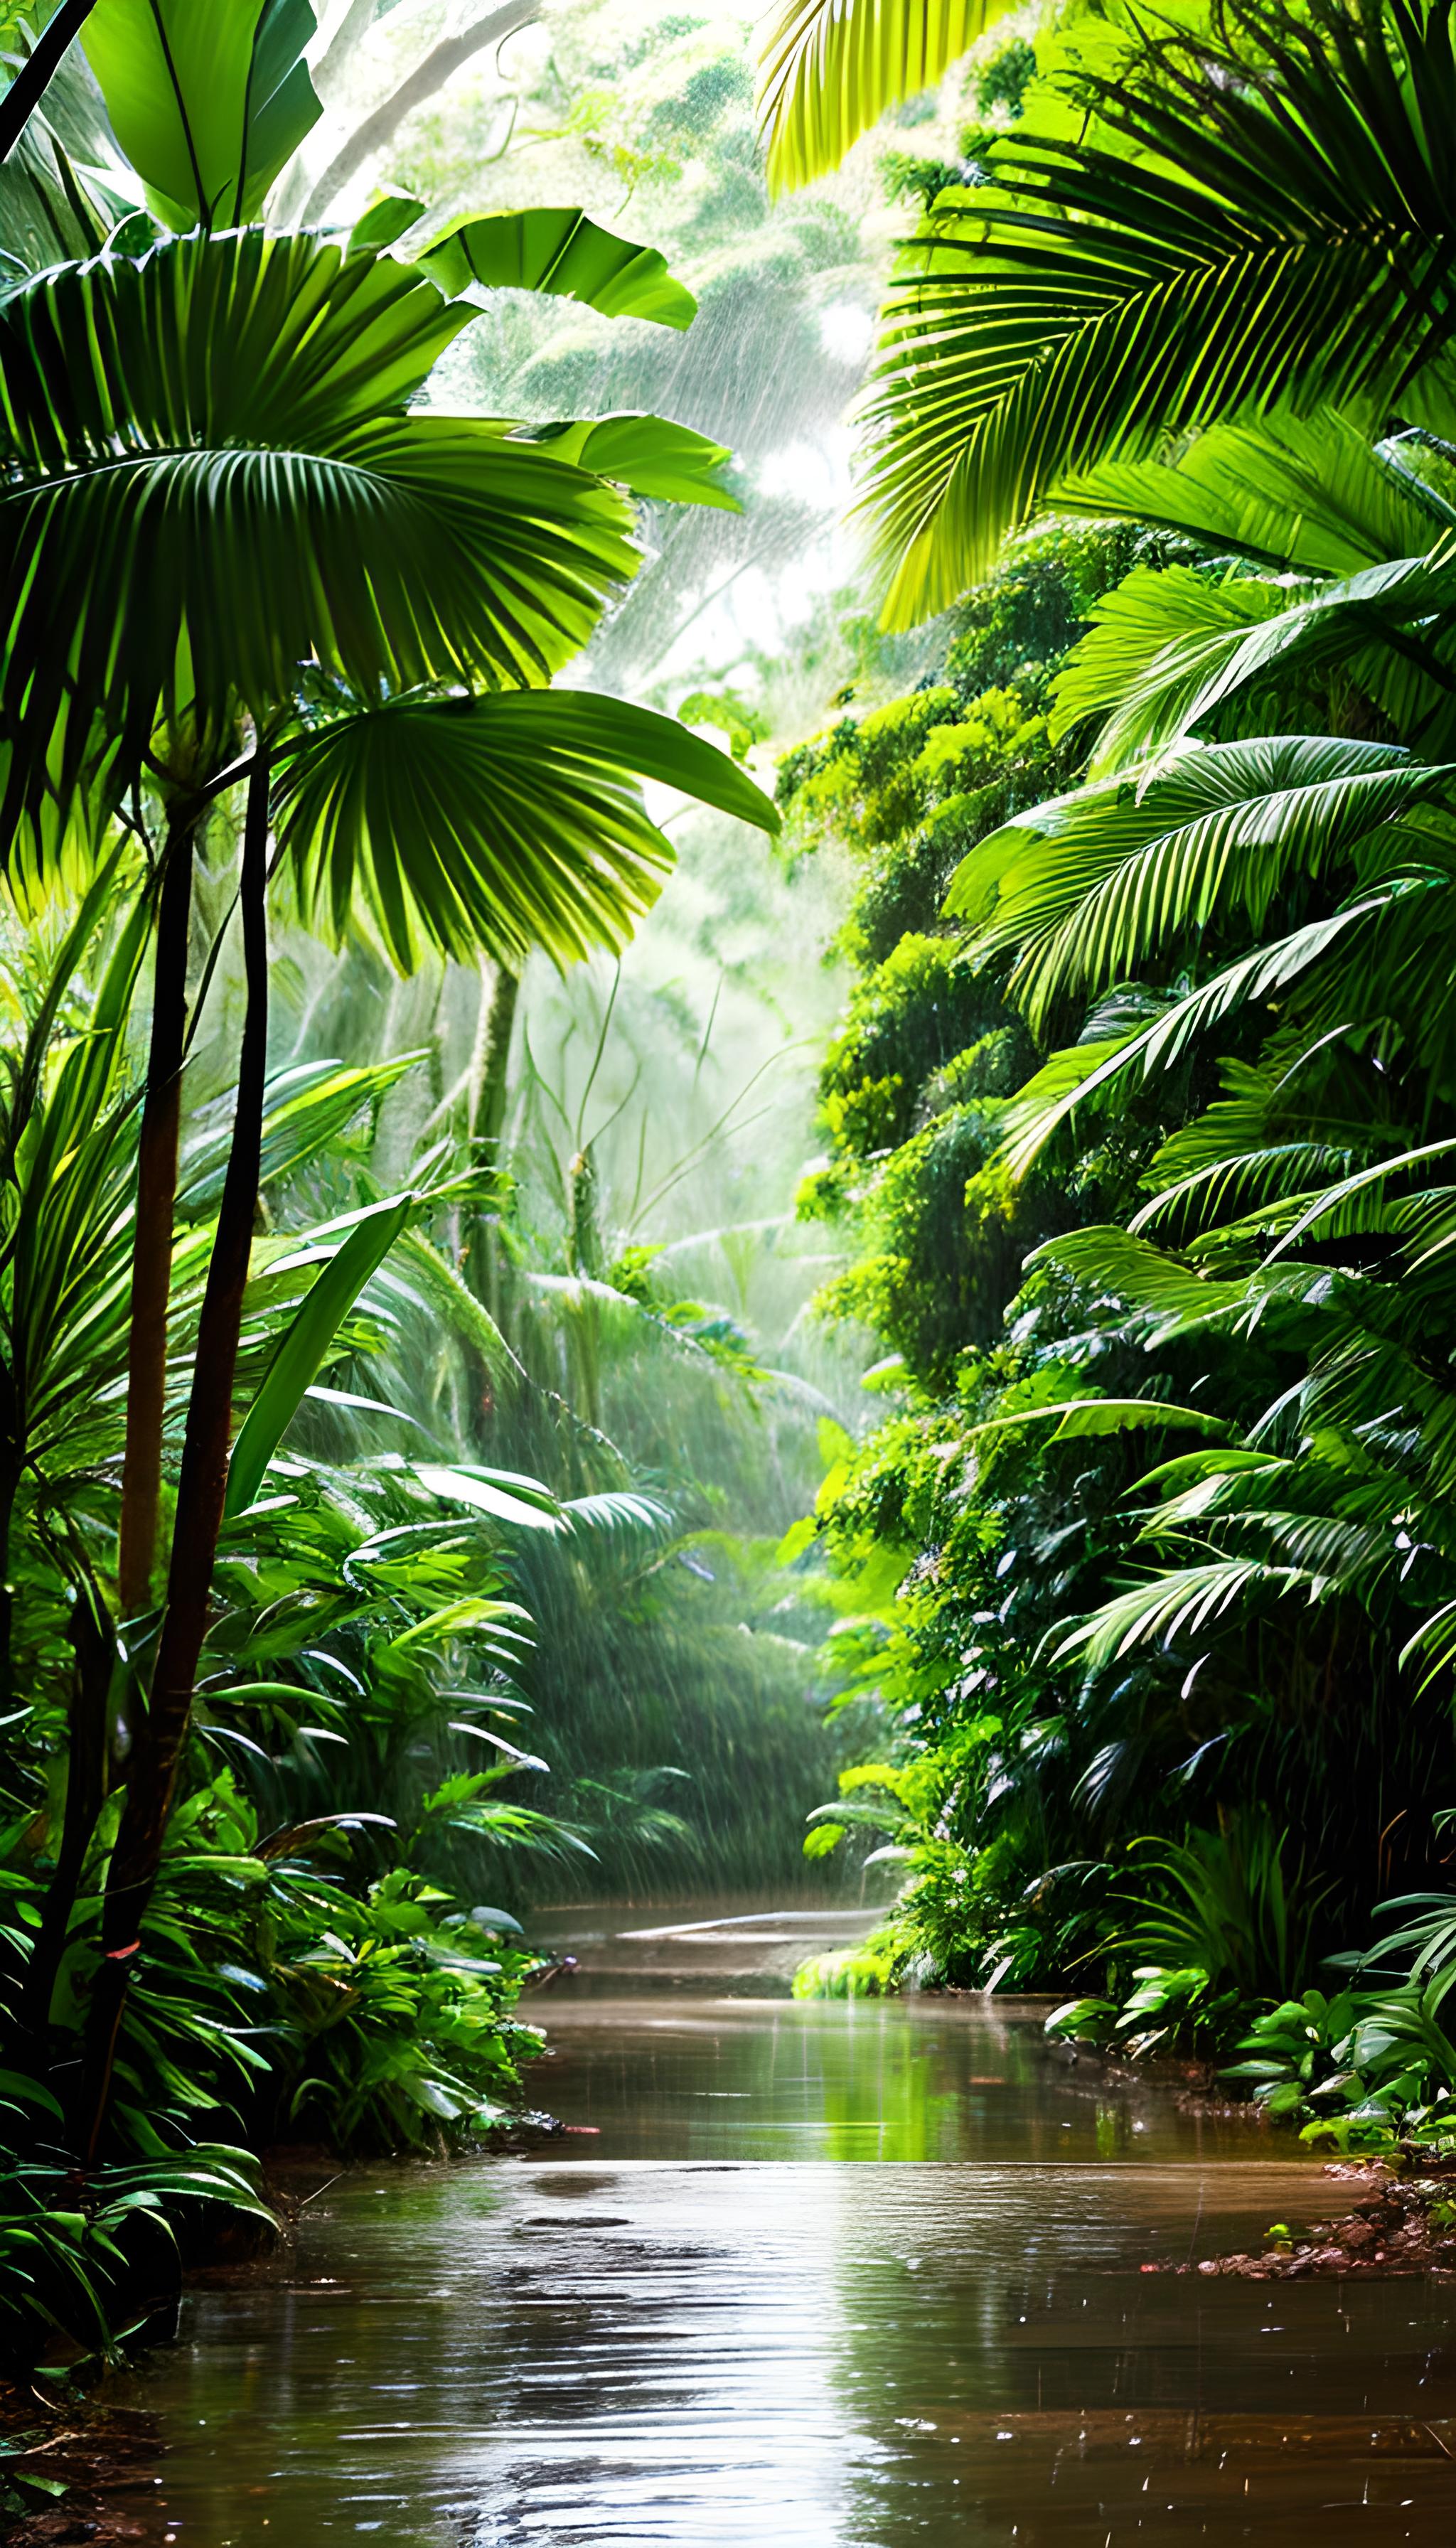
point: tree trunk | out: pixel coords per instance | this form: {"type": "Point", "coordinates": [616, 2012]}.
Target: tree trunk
{"type": "Point", "coordinates": [201, 1488]}
{"type": "Point", "coordinates": [151, 1247]}
{"type": "Point", "coordinates": [582, 1227]}
{"type": "Point", "coordinates": [490, 1091]}
{"type": "Point", "coordinates": [423, 82]}
{"type": "Point", "coordinates": [490, 1078]}
{"type": "Point", "coordinates": [350, 31]}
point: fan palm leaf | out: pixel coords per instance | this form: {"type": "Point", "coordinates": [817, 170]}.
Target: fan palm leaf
{"type": "Point", "coordinates": [502, 822]}
{"type": "Point", "coordinates": [215, 479]}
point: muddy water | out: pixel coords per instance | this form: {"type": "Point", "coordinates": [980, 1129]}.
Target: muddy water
{"type": "Point", "coordinates": [838, 2276]}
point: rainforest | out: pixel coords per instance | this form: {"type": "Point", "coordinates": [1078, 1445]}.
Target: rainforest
{"type": "Point", "coordinates": [727, 1229]}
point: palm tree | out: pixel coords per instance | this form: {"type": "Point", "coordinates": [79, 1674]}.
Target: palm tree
{"type": "Point", "coordinates": [1296, 891]}
{"type": "Point", "coordinates": [1208, 288]}
{"type": "Point", "coordinates": [399, 559]}
{"type": "Point", "coordinates": [236, 551]}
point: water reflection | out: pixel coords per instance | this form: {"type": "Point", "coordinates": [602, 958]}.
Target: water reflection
{"type": "Point", "coordinates": [736, 2314]}
{"type": "Point", "coordinates": [864, 2080]}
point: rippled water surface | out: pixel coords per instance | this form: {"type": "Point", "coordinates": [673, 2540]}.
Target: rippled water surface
{"type": "Point", "coordinates": [833, 2275]}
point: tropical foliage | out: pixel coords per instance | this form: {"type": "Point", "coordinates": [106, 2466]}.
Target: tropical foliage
{"type": "Point", "coordinates": [1141, 1121]}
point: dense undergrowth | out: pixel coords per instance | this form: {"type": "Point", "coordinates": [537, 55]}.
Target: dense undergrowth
{"type": "Point", "coordinates": [1140, 1120]}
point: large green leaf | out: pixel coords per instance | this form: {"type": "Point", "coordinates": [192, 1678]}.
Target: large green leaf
{"type": "Point", "coordinates": [209, 98]}
{"type": "Point", "coordinates": [1075, 1419]}
{"type": "Point", "coordinates": [304, 1346]}
{"type": "Point", "coordinates": [563, 252]}
{"type": "Point", "coordinates": [501, 1493]}
{"type": "Point", "coordinates": [506, 822]}
{"type": "Point", "coordinates": [1214, 244]}
{"type": "Point", "coordinates": [1067, 1083]}
{"type": "Point", "coordinates": [648, 454]}
{"type": "Point", "coordinates": [1312, 492]}
{"type": "Point", "coordinates": [1090, 887]}
{"type": "Point", "coordinates": [830, 69]}
{"type": "Point", "coordinates": [215, 480]}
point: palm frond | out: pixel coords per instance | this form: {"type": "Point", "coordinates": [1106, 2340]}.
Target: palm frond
{"type": "Point", "coordinates": [830, 69]}
{"type": "Point", "coordinates": [1317, 494]}
{"type": "Point", "coordinates": [215, 480]}
{"type": "Point", "coordinates": [1386, 629]}
{"type": "Point", "coordinates": [1285, 1130]}
{"type": "Point", "coordinates": [1154, 644]}
{"type": "Point", "coordinates": [1048, 1101]}
{"type": "Point", "coordinates": [1089, 888]}
{"type": "Point", "coordinates": [507, 822]}
{"type": "Point", "coordinates": [1174, 1298]}
{"type": "Point", "coordinates": [1177, 1604]}
{"type": "Point", "coordinates": [1253, 221]}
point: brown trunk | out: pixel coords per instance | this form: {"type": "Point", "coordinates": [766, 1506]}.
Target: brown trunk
{"type": "Point", "coordinates": [201, 1488]}
{"type": "Point", "coordinates": [151, 1247]}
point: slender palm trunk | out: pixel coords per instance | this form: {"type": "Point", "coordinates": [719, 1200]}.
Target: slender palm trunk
{"type": "Point", "coordinates": [490, 1092]}
{"type": "Point", "coordinates": [201, 1488]}
{"type": "Point", "coordinates": [583, 1222]}
{"type": "Point", "coordinates": [491, 1077]}
{"type": "Point", "coordinates": [485, 1125]}
{"type": "Point", "coordinates": [152, 1249]}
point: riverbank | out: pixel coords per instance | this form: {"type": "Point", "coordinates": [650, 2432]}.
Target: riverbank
{"type": "Point", "coordinates": [75, 2471]}
{"type": "Point", "coordinates": [1391, 2225]}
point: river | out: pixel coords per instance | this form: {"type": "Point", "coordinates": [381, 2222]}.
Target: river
{"type": "Point", "coordinates": [835, 2275]}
